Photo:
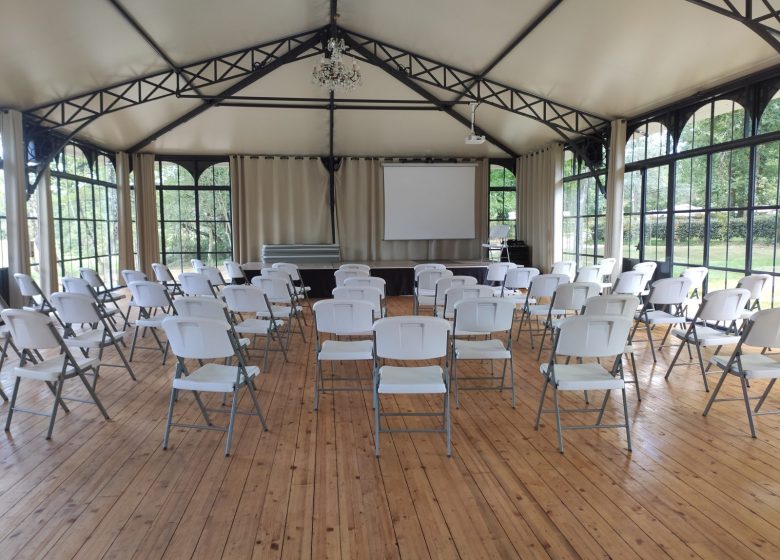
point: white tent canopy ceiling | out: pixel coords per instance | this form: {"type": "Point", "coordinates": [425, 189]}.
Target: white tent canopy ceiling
{"type": "Point", "coordinates": [575, 64]}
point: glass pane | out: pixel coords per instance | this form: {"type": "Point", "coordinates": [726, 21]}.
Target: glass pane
{"type": "Point", "coordinates": [657, 188]}
{"type": "Point", "coordinates": [730, 172]}
{"type": "Point", "coordinates": [691, 184]}
{"type": "Point", "coordinates": [729, 121]}
{"type": "Point", "coordinates": [767, 179]}
{"type": "Point", "coordinates": [770, 119]}
{"type": "Point", "coordinates": [689, 231]}
{"type": "Point", "coordinates": [727, 240]}
{"type": "Point", "coordinates": [655, 237]}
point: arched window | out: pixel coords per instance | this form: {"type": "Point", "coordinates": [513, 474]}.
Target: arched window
{"type": "Point", "coordinates": [713, 123]}
{"type": "Point", "coordinates": [647, 141]}
{"type": "Point", "coordinates": [770, 118]}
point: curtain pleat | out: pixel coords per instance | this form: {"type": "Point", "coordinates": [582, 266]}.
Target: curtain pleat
{"type": "Point", "coordinates": [613, 236]}
{"type": "Point", "coordinates": [125, 215]}
{"type": "Point", "coordinates": [48, 251]}
{"type": "Point", "coordinates": [146, 212]}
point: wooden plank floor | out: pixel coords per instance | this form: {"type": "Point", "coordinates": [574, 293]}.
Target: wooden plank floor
{"type": "Point", "coordinates": [693, 487]}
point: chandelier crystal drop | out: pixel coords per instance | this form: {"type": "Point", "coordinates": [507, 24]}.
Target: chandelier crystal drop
{"type": "Point", "coordinates": [332, 73]}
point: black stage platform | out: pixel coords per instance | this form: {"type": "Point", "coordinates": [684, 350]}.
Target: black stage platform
{"type": "Point", "coordinates": [399, 275]}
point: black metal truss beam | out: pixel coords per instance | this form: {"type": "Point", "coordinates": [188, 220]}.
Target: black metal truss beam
{"type": "Point", "coordinates": [237, 64]}
{"type": "Point", "coordinates": [421, 91]}
{"type": "Point", "coordinates": [416, 68]}
{"type": "Point", "coordinates": [760, 16]}
{"type": "Point", "coordinates": [271, 64]}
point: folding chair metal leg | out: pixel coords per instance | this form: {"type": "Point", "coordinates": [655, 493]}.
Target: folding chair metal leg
{"type": "Point", "coordinates": [58, 395]}
{"type": "Point", "coordinates": [764, 395]}
{"type": "Point", "coordinates": [454, 381]}
{"type": "Point", "coordinates": [714, 394]}
{"type": "Point", "coordinates": [231, 422]}
{"type": "Point", "coordinates": [541, 404]}
{"type": "Point", "coordinates": [92, 393]}
{"type": "Point", "coordinates": [650, 341]}
{"type": "Point", "coordinates": [3, 395]}
{"type": "Point", "coordinates": [203, 410]}
{"type": "Point", "coordinates": [743, 380]}
{"type": "Point", "coordinates": [376, 422]}
{"type": "Point", "coordinates": [558, 419]}
{"type": "Point", "coordinates": [12, 404]}
{"type": "Point", "coordinates": [674, 360]}
{"type": "Point", "coordinates": [53, 389]}
{"type": "Point", "coordinates": [512, 374]}
{"type": "Point", "coordinates": [256, 404]}
{"type": "Point", "coordinates": [625, 416]}
{"type": "Point", "coordinates": [317, 382]}
{"type": "Point", "coordinates": [447, 422]}
{"type": "Point", "coordinates": [701, 366]}
{"type": "Point", "coordinates": [603, 406]}
{"type": "Point", "coordinates": [132, 346]}
{"type": "Point", "coordinates": [169, 419]}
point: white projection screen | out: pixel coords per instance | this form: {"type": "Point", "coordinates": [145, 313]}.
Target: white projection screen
{"type": "Point", "coordinates": [429, 201]}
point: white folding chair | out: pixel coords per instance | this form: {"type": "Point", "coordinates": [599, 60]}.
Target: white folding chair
{"type": "Point", "coordinates": [418, 268]}
{"type": "Point", "coordinates": [569, 268]}
{"type": "Point", "coordinates": [284, 304]}
{"type": "Point", "coordinates": [371, 282]}
{"type": "Point", "coordinates": [455, 294]}
{"type": "Point", "coordinates": [75, 285]}
{"type": "Point", "coordinates": [5, 340]}
{"type": "Point", "coordinates": [697, 275]}
{"type": "Point", "coordinates": [208, 308]}
{"type": "Point", "coordinates": [630, 283]}
{"type": "Point", "coordinates": [355, 266]}
{"type": "Point", "coordinates": [496, 273]}
{"type": "Point", "coordinates": [133, 276]}
{"type": "Point", "coordinates": [80, 309]}
{"type": "Point", "coordinates": [607, 267]}
{"type": "Point", "coordinates": [669, 293]}
{"type": "Point", "coordinates": [102, 291]}
{"type": "Point", "coordinates": [153, 301]}
{"type": "Point", "coordinates": [568, 298]}
{"type": "Point", "coordinates": [647, 269]}
{"type": "Point", "coordinates": [343, 273]}
{"type": "Point", "coordinates": [361, 293]}
{"type": "Point", "coordinates": [591, 273]}
{"type": "Point", "coordinates": [294, 273]}
{"type": "Point", "coordinates": [587, 336]}
{"type": "Point", "coordinates": [499, 233]}
{"type": "Point", "coordinates": [444, 284]}
{"type": "Point", "coordinates": [411, 338]}
{"type": "Point", "coordinates": [196, 338]}
{"type": "Point", "coordinates": [33, 331]}
{"type": "Point", "coordinates": [37, 300]}
{"type": "Point", "coordinates": [251, 299]}
{"type": "Point", "coordinates": [235, 272]}
{"type": "Point", "coordinates": [197, 264]}
{"type": "Point", "coordinates": [334, 318]}
{"type": "Point", "coordinates": [214, 275]}
{"type": "Point", "coordinates": [517, 282]}
{"type": "Point", "coordinates": [761, 331]}
{"type": "Point", "coordinates": [755, 284]}
{"type": "Point", "coordinates": [493, 316]}
{"type": "Point", "coordinates": [542, 286]}
{"type": "Point", "coordinates": [425, 287]}
{"type": "Point", "coordinates": [164, 276]}
{"type": "Point", "coordinates": [196, 284]}
{"type": "Point", "coordinates": [720, 306]}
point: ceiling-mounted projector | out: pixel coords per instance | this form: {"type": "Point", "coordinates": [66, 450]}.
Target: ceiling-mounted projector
{"type": "Point", "coordinates": [473, 137]}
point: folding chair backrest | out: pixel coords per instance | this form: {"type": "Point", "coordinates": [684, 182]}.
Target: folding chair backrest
{"type": "Point", "coordinates": [427, 266]}
{"type": "Point", "coordinates": [724, 305]}
{"type": "Point", "coordinates": [592, 336]}
{"type": "Point", "coordinates": [367, 281]}
{"type": "Point", "coordinates": [669, 291]}
{"type": "Point", "coordinates": [76, 286]}
{"type": "Point", "coordinates": [427, 278]}
{"type": "Point", "coordinates": [198, 338]}
{"type": "Point", "coordinates": [361, 293]}
{"type": "Point", "coordinates": [696, 274]}
{"type": "Point", "coordinates": [496, 272]}
{"type": "Point", "coordinates": [486, 314]}
{"type": "Point", "coordinates": [274, 287]}
{"type": "Point", "coordinates": [355, 266]}
{"type": "Point", "coordinates": [30, 329]}
{"type": "Point", "coordinates": [764, 329]}
{"type": "Point", "coordinates": [343, 316]}
{"type": "Point", "coordinates": [162, 273]}
{"type": "Point", "coordinates": [92, 278]}
{"type": "Point", "coordinates": [203, 308]}
{"type": "Point", "coordinates": [27, 286]}
{"type": "Point", "coordinates": [213, 274]}
{"type": "Point", "coordinates": [197, 264]}
{"type": "Point", "coordinates": [647, 269]}
{"type": "Point", "coordinates": [195, 284]}
{"type": "Point", "coordinates": [411, 337]}
{"type": "Point", "coordinates": [344, 273]}
{"type": "Point", "coordinates": [130, 276]}
{"type": "Point", "coordinates": [458, 293]}
{"type": "Point", "coordinates": [245, 299]}
{"type": "Point", "coordinates": [613, 304]}
{"type": "Point", "coordinates": [149, 294]}
{"type": "Point", "coordinates": [569, 268]}
{"type": "Point", "coordinates": [75, 308]}
{"type": "Point", "coordinates": [631, 282]}
{"type": "Point", "coordinates": [607, 266]}
{"type": "Point", "coordinates": [520, 278]}
{"type": "Point", "coordinates": [755, 283]}
{"type": "Point", "coordinates": [571, 296]}
{"type": "Point", "coordinates": [234, 270]}
{"type": "Point", "coordinates": [544, 285]}
{"type": "Point", "coordinates": [252, 265]}
{"type": "Point", "coordinates": [444, 284]}
{"type": "Point", "coordinates": [590, 273]}
{"type": "Point", "coordinates": [291, 270]}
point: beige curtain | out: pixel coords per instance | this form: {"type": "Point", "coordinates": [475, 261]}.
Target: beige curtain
{"type": "Point", "coordinates": [146, 212]}
{"type": "Point", "coordinates": [125, 214]}
{"type": "Point", "coordinates": [360, 218]}
{"type": "Point", "coordinates": [613, 235]}
{"type": "Point", "coordinates": [48, 251]}
{"type": "Point", "coordinates": [540, 204]}
{"type": "Point", "coordinates": [14, 162]}
{"type": "Point", "coordinates": [277, 201]}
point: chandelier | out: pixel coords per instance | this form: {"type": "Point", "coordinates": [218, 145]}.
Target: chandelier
{"type": "Point", "coordinates": [332, 73]}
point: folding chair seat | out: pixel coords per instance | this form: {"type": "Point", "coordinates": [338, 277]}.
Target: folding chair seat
{"type": "Point", "coordinates": [425, 287]}
{"type": "Point", "coordinates": [443, 285]}
{"type": "Point", "coordinates": [33, 331]}
{"type": "Point", "coordinates": [606, 268]}
{"type": "Point", "coordinates": [342, 274]}
{"type": "Point", "coordinates": [755, 284]}
{"type": "Point", "coordinates": [235, 272]}
{"type": "Point", "coordinates": [361, 293]}
{"type": "Point", "coordinates": [79, 309]}
{"type": "Point", "coordinates": [197, 338]}
{"type": "Point", "coordinates": [283, 302]}
{"type": "Point", "coordinates": [252, 300]}
{"type": "Point", "coordinates": [492, 316]}
{"type": "Point", "coordinates": [196, 284]}
{"type": "Point", "coordinates": [341, 318]}
{"type": "Point", "coordinates": [587, 337]}
{"type": "Point", "coordinates": [370, 282]}
{"type": "Point", "coordinates": [720, 306]}
{"type": "Point", "coordinates": [669, 293]}
{"type": "Point", "coordinates": [569, 268]}
{"type": "Point", "coordinates": [36, 299]}
{"type": "Point", "coordinates": [411, 338]}
{"type": "Point", "coordinates": [153, 301]}
{"type": "Point", "coordinates": [761, 331]}
{"type": "Point", "coordinates": [542, 286]}
{"type": "Point", "coordinates": [568, 298]}
{"type": "Point", "coordinates": [74, 285]}
{"type": "Point", "coordinates": [163, 275]}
